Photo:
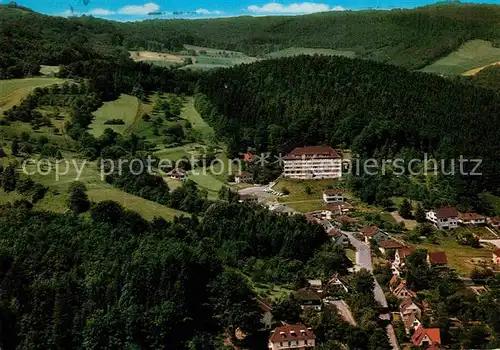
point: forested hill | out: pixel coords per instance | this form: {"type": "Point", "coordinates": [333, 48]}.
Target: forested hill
{"type": "Point", "coordinates": [411, 38]}
{"type": "Point", "coordinates": [373, 108]}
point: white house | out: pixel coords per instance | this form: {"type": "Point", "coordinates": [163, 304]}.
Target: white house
{"type": "Point", "coordinates": [494, 222]}
{"type": "Point", "coordinates": [177, 174]}
{"type": "Point", "coordinates": [294, 336]}
{"type": "Point", "coordinates": [332, 196]}
{"type": "Point", "coordinates": [243, 177]}
{"type": "Point", "coordinates": [471, 219]}
{"type": "Point", "coordinates": [314, 162]}
{"type": "Point", "coordinates": [444, 217]}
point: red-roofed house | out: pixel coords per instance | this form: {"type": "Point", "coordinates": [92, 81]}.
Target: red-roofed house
{"type": "Point", "coordinates": [294, 336]}
{"type": "Point", "coordinates": [248, 157]}
{"type": "Point", "coordinates": [332, 196]}
{"type": "Point", "coordinates": [389, 244]}
{"type": "Point", "coordinates": [426, 337]}
{"type": "Point", "coordinates": [496, 256]}
{"type": "Point", "coordinates": [373, 233]}
{"type": "Point", "coordinates": [471, 219]}
{"type": "Point", "coordinates": [494, 222]}
{"type": "Point", "coordinates": [177, 174]}
{"type": "Point", "coordinates": [437, 258]}
{"type": "Point", "coordinates": [444, 217]}
{"type": "Point", "coordinates": [314, 162]}
{"type": "Point", "coordinates": [339, 208]}
{"type": "Point", "coordinates": [399, 259]}
{"type": "Point", "coordinates": [243, 177]}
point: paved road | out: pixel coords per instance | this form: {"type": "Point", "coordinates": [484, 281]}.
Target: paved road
{"type": "Point", "coordinates": [255, 190]}
{"type": "Point", "coordinates": [364, 261]}
{"type": "Point", "coordinates": [495, 242]}
{"type": "Point", "coordinates": [344, 311]}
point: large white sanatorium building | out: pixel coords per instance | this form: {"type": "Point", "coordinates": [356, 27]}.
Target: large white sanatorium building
{"type": "Point", "coordinates": [315, 162]}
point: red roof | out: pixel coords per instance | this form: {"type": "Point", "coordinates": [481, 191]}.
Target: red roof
{"type": "Point", "coordinates": [446, 212]}
{"type": "Point", "coordinates": [333, 192]}
{"type": "Point", "coordinates": [390, 244]}
{"type": "Point", "coordinates": [248, 157]}
{"type": "Point", "coordinates": [346, 219]}
{"type": "Point", "coordinates": [336, 205]}
{"type": "Point", "coordinates": [437, 257]}
{"type": "Point", "coordinates": [494, 220]}
{"type": "Point", "coordinates": [433, 333]}
{"type": "Point", "coordinates": [369, 231]}
{"type": "Point", "coordinates": [319, 152]}
{"type": "Point", "coordinates": [404, 252]}
{"type": "Point", "coordinates": [334, 232]}
{"type": "Point", "coordinates": [291, 332]}
{"type": "Point", "coordinates": [470, 216]}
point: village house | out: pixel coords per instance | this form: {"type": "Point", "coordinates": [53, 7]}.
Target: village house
{"type": "Point", "coordinates": [398, 288]}
{"type": "Point", "coordinates": [316, 285]}
{"type": "Point", "coordinates": [408, 306]}
{"type": "Point", "coordinates": [436, 258]}
{"type": "Point", "coordinates": [243, 177]}
{"type": "Point", "coordinates": [444, 217]}
{"type": "Point", "coordinates": [294, 336]}
{"type": "Point", "coordinates": [248, 157]}
{"type": "Point", "coordinates": [282, 209]}
{"type": "Point", "coordinates": [332, 196]}
{"type": "Point", "coordinates": [308, 299]}
{"type": "Point", "coordinates": [427, 337]}
{"type": "Point", "coordinates": [338, 237]}
{"type": "Point", "coordinates": [389, 244]}
{"type": "Point", "coordinates": [373, 233]}
{"type": "Point", "coordinates": [496, 256]}
{"type": "Point", "coordinates": [494, 222]}
{"type": "Point", "coordinates": [177, 174]}
{"type": "Point", "coordinates": [249, 198]}
{"type": "Point", "coordinates": [344, 219]}
{"type": "Point", "coordinates": [314, 162]}
{"type": "Point", "coordinates": [471, 219]}
{"type": "Point", "coordinates": [339, 208]}
{"type": "Point", "coordinates": [337, 281]}
{"type": "Point", "coordinates": [399, 259]}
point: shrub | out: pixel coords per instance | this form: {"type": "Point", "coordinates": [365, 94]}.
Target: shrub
{"type": "Point", "coordinates": [114, 122]}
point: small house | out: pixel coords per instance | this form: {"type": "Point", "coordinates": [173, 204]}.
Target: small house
{"type": "Point", "coordinates": [494, 222]}
{"type": "Point", "coordinates": [177, 174]}
{"type": "Point", "coordinates": [308, 299]}
{"type": "Point", "coordinates": [373, 233]}
{"type": "Point", "coordinates": [444, 217]}
{"type": "Point", "coordinates": [294, 336]}
{"type": "Point", "coordinates": [243, 177]}
{"type": "Point", "coordinates": [339, 208]}
{"type": "Point", "coordinates": [436, 258]}
{"type": "Point", "coordinates": [338, 237]}
{"type": "Point", "coordinates": [402, 291]}
{"type": "Point", "coordinates": [337, 281]}
{"type": "Point", "coordinates": [471, 219]}
{"type": "Point", "coordinates": [400, 256]}
{"type": "Point", "coordinates": [426, 337]}
{"type": "Point", "coordinates": [389, 244]}
{"type": "Point", "coordinates": [333, 196]}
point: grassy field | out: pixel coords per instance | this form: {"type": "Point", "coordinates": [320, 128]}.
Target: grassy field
{"type": "Point", "coordinates": [14, 90]}
{"type": "Point", "coordinates": [49, 70]}
{"type": "Point", "coordinates": [472, 55]}
{"type": "Point", "coordinates": [460, 257]}
{"type": "Point", "coordinates": [190, 114]}
{"type": "Point", "coordinates": [125, 108]}
{"type": "Point", "coordinates": [298, 198]}
{"type": "Point", "coordinates": [294, 51]}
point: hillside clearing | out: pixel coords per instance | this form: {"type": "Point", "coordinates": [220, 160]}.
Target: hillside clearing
{"type": "Point", "coordinates": [139, 56]}
{"type": "Point", "coordinates": [477, 70]}
{"type": "Point", "coordinates": [125, 108]}
{"type": "Point", "coordinates": [12, 91]}
{"type": "Point", "coordinates": [469, 59]}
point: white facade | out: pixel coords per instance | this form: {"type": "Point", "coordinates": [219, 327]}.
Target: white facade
{"type": "Point", "coordinates": [332, 198]}
{"type": "Point", "coordinates": [315, 162]}
{"type": "Point", "coordinates": [292, 344]}
{"type": "Point", "coordinates": [440, 222]}
{"type": "Point", "coordinates": [312, 168]}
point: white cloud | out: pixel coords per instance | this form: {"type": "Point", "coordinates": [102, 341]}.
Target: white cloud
{"type": "Point", "coordinates": [208, 12]}
{"type": "Point", "coordinates": [101, 12]}
{"type": "Point", "coordinates": [139, 10]}
{"type": "Point", "coordinates": [298, 7]}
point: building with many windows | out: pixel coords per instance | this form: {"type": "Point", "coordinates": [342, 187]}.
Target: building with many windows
{"type": "Point", "coordinates": [314, 162]}
{"type": "Point", "coordinates": [294, 336]}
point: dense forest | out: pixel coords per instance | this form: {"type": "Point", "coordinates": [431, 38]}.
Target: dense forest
{"type": "Point", "coordinates": [376, 110]}
{"type": "Point", "coordinates": [113, 280]}
{"type": "Point", "coordinates": [411, 38]}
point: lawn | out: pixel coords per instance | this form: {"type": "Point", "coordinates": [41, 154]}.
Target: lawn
{"type": "Point", "coordinates": [299, 199]}
{"type": "Point", "coordinates": [351, 254]}
{"type": "Point", "coordinates": [470, 56]}
{"type": "Point", "coordinates": [12, 91]}
{"type": "Point", "coordinates": [190, 114]}
{"type": "Point", "coordinates": [459, 256]}
{"type": "Point", "coordinates": [126, 108]}
{"type": "Point", "coordinates": [294, 51]}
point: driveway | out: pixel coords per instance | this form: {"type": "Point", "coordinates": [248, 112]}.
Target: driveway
{"type": "Point", "coordinates": [364, 261]}
{"type": "Point", "coordinates": [344, 311]}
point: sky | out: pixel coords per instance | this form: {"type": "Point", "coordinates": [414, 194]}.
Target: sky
{"type": "Point", "coordinates": [133, 10]}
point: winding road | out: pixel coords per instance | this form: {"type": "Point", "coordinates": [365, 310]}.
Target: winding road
{"type": "Point", "coordinates": [364, 261]}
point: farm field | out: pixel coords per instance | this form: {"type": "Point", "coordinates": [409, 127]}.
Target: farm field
{"type": "Point", "coordinates": [12, 91]}
{"type": "Point", "coordinates": [125, 108]}
{"type": "Point", "coordinates": [150, 56]}
{"type": "Point", "coordinates": [294, 51]}
{"type": "Point", "coordinates": [473, 56]}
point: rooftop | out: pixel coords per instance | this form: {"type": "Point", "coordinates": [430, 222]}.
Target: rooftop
{"type": "Point", "coordinates": [390, 244]}
{"type": "Point", "coordinates": [369, 231]}
{"type": "Point", "coordinates": [470, 216]}
{"type": "Point", "coordinates": [437, 257]}
{"type": "Point", "coordinates": [433, 333]}
{"type": "Point", "coordinates": [320, 152]}
{"type": "Point", "coordinates": [293, 331]}
{"type": "Point", "coordinates": [446, 212]}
